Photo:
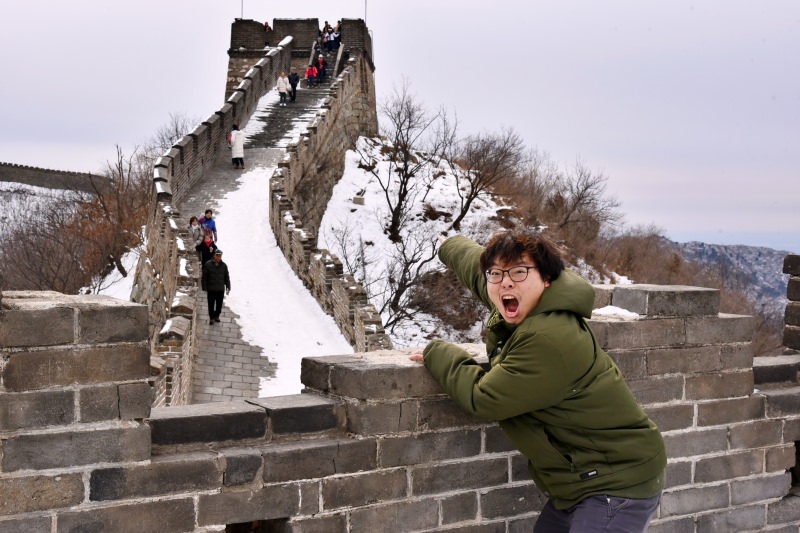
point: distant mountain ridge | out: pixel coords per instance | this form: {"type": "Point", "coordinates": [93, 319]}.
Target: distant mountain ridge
{"type": "Point", "coordinates": [761, 267]}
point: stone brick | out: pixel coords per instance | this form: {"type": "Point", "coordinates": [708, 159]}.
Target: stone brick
{"type": "Point", "coordinates": [684, 360]}
{"type": "Point", "coordinates": [722, 385]}
{"type": "Point", "coordinates": [99, 403]}
{"type": "Point", "coordinates": [751, 518]}
{"type": "Point", "coordinates": [309, 497]}
{"type": "Point", "coordinates": [793, 288]}
{"type": "Point", "coordinates": [755, 434]}
{"type": "Point", "coordinates": [694, 500]}
{"type": "Point", "coordinates": [785, 511]}
{"type": "Point", "coordinates": [39, 493]}
{"type": "Point", "coordinates": [41, 524]}
{"type": "Point", "coordinates": [241, 466]}
{"type": "Point", "coordinates": [368, 380]}
{"type": "Point", "coordinates": [135, 400]}
{"type": "Point", "coordinates": [46, 326]}
{"type": "Point", "coordinates": [312, 459]}
{"type": "Point", "coordinates": [519, 468]}
{"type": "Point", "coordinates": [208, 423]}
{"type": "Point", "coordinates": [428, 447]}
{"type": "Point", "coordinates": [632, 363]}
{"type": "Point", "coordinates": [791, 337]}
{"type": "Point", "coordinates": [681, 525]}
{"type": "Point", "coordinates": [791, 429]}
{"type": "Point", "coordinates": [401, 516]}
{"type": "Point", "coordinates": [657, 389]}
{"type": "Point", "coordinates": [267, 503]}
{"type": "Point", "coordinates": [38, 451]}
{"type": "Point", "coordinates": [737, 356]}
{"type": "Point", "coordinates": [50, 368]}
{"type": "Point", "coordinates": [379, 418]}
{"type": "Point", "coordinates": [722, 329]}
{"type": "Point", "coordinates": [637, 334]}
{"type": "Point", "coordinates": [671, 417]}
{"type": "Point", "coordinates": [513, 501]}
{"type": "Point", "coordinates": [700, 442]}
{"type": "Point", "coordinates": [166, 516]}
{"type": "Point", "coordinates": [315, 371]}
{"type": "Point", "coordinates": [791, 265]}
{"type": "Point", "coordinates": [36, 409]}
{"type": "Point", "coordinates": [104, 319]}
{"type": "Point", "coordinates": [781, 458]}
{"type": "Point", "coordinates": [678, 474]}
{"type": "Point", "coordinates": [718, 412]}
{"type": "Point", "coordinates": [791, 314]}
{"type": "Point", "coordinates": [443, 413]}
{"type": "Point", "coordinates": [363, 489]}
{"type": "Point", "coordinates": [776, 369]}
{"type": "Point", "coordinates": [666, 300]}
{"type": "Point", "coordinates": [759, 489]}
{"type": "Point", "coordinates": [481, 473]}
{"type": "Point", "coordinates": [783, 402]}
{"type": "Point", "coordinates": [163, 475]}
{"type": "Point", "coordinates": [459, 507]}
{"type": "Point", "coordinates": [320, 524]}
{"type": "Point", "coordinates": [522, 525]}
{"type": "Point", "coordinates": [729, 466]}
{"type": "Point", "coordinates": [301, 413]}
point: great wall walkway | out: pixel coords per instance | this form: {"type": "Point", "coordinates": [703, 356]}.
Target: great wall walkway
{"type": "Point", "coordinates": [228, 367]}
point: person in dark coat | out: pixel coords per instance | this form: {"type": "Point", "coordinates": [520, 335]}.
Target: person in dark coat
{"type": "Point", "coordinates": [294, 79]}
{"type": "Point", "coordinates": [206, 249]}
{"type": "Point", "coordinates": [217, 283]}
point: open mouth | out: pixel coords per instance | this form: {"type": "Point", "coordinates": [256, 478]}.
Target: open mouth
{"type": "Point", "coordinates": [511, 305]}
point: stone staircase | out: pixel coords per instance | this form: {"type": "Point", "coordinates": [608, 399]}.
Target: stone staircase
{"type": "Point", "coordinates": [778, 378]}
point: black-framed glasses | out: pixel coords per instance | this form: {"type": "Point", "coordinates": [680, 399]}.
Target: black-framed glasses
{"type": "Point", "coordinates": [517, 273]}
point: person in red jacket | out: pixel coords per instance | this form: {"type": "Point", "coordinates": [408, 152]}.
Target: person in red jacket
{"type": "Point", "coordinates": [311, 75]}
{"type": "Point", "coordinates": [321, 66]}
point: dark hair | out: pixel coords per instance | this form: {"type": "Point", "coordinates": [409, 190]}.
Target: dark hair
{"type": "Point", "coordinates": [192, 220]}
{"type": "Point", "coordinates": [236, 126]}
{"type": "Point", "coordinates": [511, 245]}
{"type": "Point", "coordinates": [209, 211]}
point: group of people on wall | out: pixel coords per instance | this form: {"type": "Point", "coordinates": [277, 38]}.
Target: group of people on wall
{"type": "Point", "coordinates": [215, 279]}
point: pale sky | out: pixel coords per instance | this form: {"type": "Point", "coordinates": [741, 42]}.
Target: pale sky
{"type": "Point", "coordinates": [691, 109]}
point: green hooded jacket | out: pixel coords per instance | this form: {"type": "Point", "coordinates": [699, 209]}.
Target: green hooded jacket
{"type": "Point", "coordinates": [557, 395]}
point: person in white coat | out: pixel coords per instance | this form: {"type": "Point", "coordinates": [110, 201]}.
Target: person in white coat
{"type": "Point", "coordinates": [236, 144]}
{"type": "Point", "coordinates": [283, 88]}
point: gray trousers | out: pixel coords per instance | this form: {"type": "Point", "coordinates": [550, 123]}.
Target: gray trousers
{"type": "Point", "coordinates": [599, 514]}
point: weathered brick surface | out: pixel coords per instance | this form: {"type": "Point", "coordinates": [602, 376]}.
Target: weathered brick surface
{"type": "Point", "coordinates": [242, 465]}
{"type": "Point", "coordinates": [39, 493]}
{"type": "Point", "coordinates": [511, 501]}
{"type": "Point", "coordinates": [135, 400]}
{"type": "Point", "coordinates": [639, 333]}
{"type": "Point", "coordinates": [323, 524]}
{"type": "Point", "coordinates": [379, 418]}
{"type": "Point", "coordinates": [750, 518]}
{"type": "Point", "coordinates": [39, 524]}
{"type": "Point", "coordinates": [724, 385]}
{"type": "Point", "coordinates": [657, 389]}
{"type": "Point", "coordinates": [694, 500]}
{"type": "Point", "coordinates": [680, 525]}
{"type": "Point", "coordinates": [166, 516]}
{"type": "Point", "coordinates": [783, 402]}
{"type": "Point", "coordinates": [679, 473]}
{"type": "Point", "coordinates": [691, 443]}
{"type": "Point", "coordinates": [793, 288]}
{"type": "Point", "coordinates": [497, 441]}
{"type": "Point", "coordinates": [368, 381]}
{"type": "Point", "coordinates": [791, 264]}
{"type": "Point", "coordinates": [727, 411]}
{"type": "Point", "coordinates": [443, 413]}
{"type": "Point", "coordinates": [302, 413]}
{"type": "Point", "coordinates": [50, 368]}
{"type": "Point", "coordinates": [99, 403]}
{"type": "Point", "coordinates": [104, 319]}
{"type": "Point", "coordinates": [314, 459]}
{"type": "Point", "coordinates": [783, 511]}
{"type": "Point", "coordinates": [670, 417]}
{"type": "Point", "coordinates": [755, 434]}
{"type": "Point", "coordinates": [781, 458]}
{"type": "Point", "coordinates": [632, 363]}
{"type": "Point", "coordinates": [207, 423]}
{"type": "Point", "coordinates": [175, 474]}
{"type": "Point", "coordinates": [368, 488]}
{"type": "Point", "coordinates": [684, 360]}
{"type": "Point", "coordinates": [459, 507]}
{"type": "Point", "coordinates": [666, 300]}
{"type": "Point", "coordinates": [760, 489]}
{"type": "Point", "coordinates": [428, 447]}
{"type": "Point", "coordinates": [274, 501]}
{"type": "Point", "coordinates": [36, 327]}
{"type": "Point", "coordinates": [729, 466]}
{"type": "Point", "coordinates": [400, 516]}
{"type": "Point", "coordinates": [36, 409]}
{"type": "Point", "coordinates": [430, 479]}
{"type": "Point", "coordinates": [792, 314]}
{"type": "Point", "coordinates": [39, 451]}
{"type": "Point", "coordinates": [723, 328]}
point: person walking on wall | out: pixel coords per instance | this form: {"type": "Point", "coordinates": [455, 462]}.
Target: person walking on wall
{"type": "Point", "coordinates": [196, 234]}
{"type": "Point", "coordinates": [283, 87]}
{"type": "Point", "coordinates": [311, 75]}
{"type": "Point", "coordinates": [208, 225]}
{"type": "Point", "coordinates": [321, 68]}
{"type": "Point", "coordinates": [552, 389]}
{"type": "Point", "coordinates": [294, 79]}
{"type": "Point", "coordinates": [236, 144]}
{"type": "Point", "coordinates": [206, 249]}
{"type": "Point", "coordinates": [216, 281]}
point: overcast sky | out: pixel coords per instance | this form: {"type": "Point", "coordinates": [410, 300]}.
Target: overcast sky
{"type": "Point", "coordinates": [691, 109]}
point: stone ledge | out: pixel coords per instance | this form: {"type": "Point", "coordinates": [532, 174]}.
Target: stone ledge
{"type": "Point", "coordinates": [666, 300]}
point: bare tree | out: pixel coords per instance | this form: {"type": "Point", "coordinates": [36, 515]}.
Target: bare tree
{"type": "Point", "coordinates": [483, 162]}
{"type": "Point", "coordinates": [416, 141]}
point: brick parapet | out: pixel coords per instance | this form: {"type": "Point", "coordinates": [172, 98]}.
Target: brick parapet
{"type": "Point", "coordinates": [373, 443]}
{"type": "Point", "coordinates": [791, 329]}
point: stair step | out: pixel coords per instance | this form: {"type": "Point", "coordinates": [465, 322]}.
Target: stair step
{"type": "Point", "coordinates": [782, 402]}
{"type": "Point", "coordinates": [776, 369]}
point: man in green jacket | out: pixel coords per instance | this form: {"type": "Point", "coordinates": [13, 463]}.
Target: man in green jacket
{"type": "Point", "coordinates": [552, 389]}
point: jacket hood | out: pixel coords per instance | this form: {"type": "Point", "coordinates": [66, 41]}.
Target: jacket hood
{"type": "Point", "coordinates": [569, 292]}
